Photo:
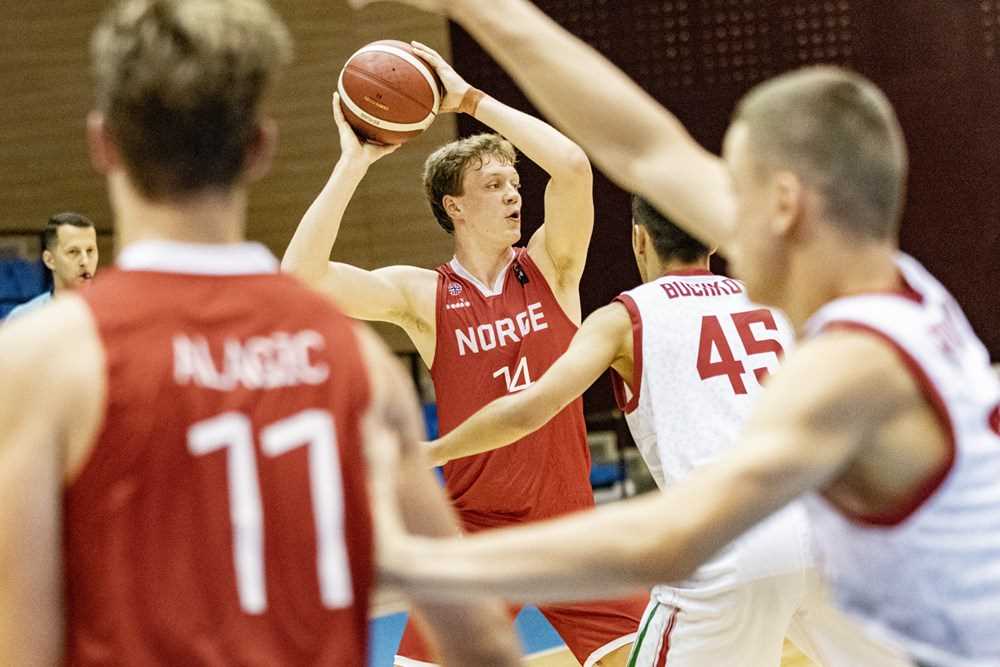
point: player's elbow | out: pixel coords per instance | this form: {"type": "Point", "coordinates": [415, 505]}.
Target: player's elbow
{"type": "Point", "coordinates": [575, 163]}
{"type": "Point", "coordinates": [308, 272]}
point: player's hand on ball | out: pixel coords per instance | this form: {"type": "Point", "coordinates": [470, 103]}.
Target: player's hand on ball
{"type": "Point", "coordinates": [455, 86]}
{"type": "Point", "coordinates": [351, 146]}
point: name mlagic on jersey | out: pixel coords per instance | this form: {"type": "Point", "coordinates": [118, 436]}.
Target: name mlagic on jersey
{"type": "Point", "coordinates": [281, 359]}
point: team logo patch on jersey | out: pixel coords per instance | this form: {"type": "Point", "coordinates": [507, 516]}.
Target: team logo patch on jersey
{"type": "Point", "coordinates": [454, 289]}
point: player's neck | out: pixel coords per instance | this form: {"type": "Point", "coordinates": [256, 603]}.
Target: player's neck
{"type": "Point", "coordinates": [662, 268]}
{"type": "Point", "coordinates": [837, 270]}
{"type": "Point", "coordinates": [485, 263]}
{"type": "Point", "coordinates": [209, 217]}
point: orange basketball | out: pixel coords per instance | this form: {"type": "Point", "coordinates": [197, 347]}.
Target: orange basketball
{"type": "Point", "coordinates": [388, 93]}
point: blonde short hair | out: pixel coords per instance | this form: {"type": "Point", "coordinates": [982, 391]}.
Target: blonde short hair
{"type": "Point", "coordinates": [838, 132]}
{"type": "Point", "coordinates": [446, 167]}
{"type": "Point", "coordinates": [180, 83]}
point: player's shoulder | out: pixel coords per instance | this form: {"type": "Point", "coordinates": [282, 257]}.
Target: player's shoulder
{"type": "Point", "coordinates": [410, 272]}
{"type": "Point", "coordinates": [613, 319]}
{"type": "Point", "coordinates": [413, 281]}
{"type": "Point", "coordinates": [55, 343]}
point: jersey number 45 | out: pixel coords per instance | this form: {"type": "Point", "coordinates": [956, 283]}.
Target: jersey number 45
{"type": "Point", "coordinates": [715, 353]}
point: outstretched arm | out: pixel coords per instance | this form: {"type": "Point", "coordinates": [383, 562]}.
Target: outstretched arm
{"type": "Point", "coordinates": [368, 295]}
{"type": "Point", "coordinates": [803, 434]}
{"type": "Point", "coordinates": [569, 205]}
{"type": "Point", "coordinates": [470, 631]}
{"type": "Point", "coordinates": [604, 338]}
{"type": "Point", "coordinates": [639, 144]}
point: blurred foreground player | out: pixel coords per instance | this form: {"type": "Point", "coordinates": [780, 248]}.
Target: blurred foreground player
{"type": "Point", "coordinates": [886, 416]}
{"type": "Point", "coordinates": [690, 353]}
{"type": "Point", "coordinates": [185, 484]}
{"type": "Point", "coordinates": [487, 323]}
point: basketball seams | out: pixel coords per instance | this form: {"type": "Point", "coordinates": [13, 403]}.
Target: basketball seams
{"type": "Point", "coordinates": [413, 60]}
{"type": "Point", "coordinates": [375, 121]}
{"type": "Point", "coordinates": [382, 67]}
{"type": "Point", "coordinates": [358, 71]}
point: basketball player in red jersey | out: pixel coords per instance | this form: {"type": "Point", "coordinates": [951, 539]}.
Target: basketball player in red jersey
{"type": "Point", "coordinates": [185, 484]}
{"type": "Point", "coordinates": [487, 323]}
{"type": "Point", "coordinates": [886, 417]}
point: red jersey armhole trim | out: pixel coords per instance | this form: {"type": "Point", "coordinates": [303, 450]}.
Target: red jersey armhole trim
{"type": "Point", "coordinates": [521, 255]}
{"type": "Point", "coordinates": [926, 489]}
{"type": "Point", "coordinates": [628, 405]}
{"type": "Point", "coordinates": [439, 301]}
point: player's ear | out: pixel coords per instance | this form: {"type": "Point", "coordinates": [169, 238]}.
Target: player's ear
{"type": "Point", "coordinates": [789, 202]}
{"type": "Point", "coordinates": [451, 206]}
{"type": "Point", "coordinates": [104, 155]}
{"type": "Point", "coordinates": [48, 259]}
{"type": "Point", "coordinates": [260, 152]}
{"type": "Point", "coordinates": [640, 238]}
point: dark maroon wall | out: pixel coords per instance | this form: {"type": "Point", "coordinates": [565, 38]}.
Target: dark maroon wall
{"type": "Point", "coordinates": [937, 61]}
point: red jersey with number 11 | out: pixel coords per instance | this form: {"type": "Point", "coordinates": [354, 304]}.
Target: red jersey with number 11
{"type": "Point", "coordinates": [222, 517]}
{"type": "Point", "coordinates": [495, 340]}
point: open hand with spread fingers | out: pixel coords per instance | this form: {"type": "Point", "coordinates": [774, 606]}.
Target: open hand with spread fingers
{"type": "Point", "coordinates": [455, 87]}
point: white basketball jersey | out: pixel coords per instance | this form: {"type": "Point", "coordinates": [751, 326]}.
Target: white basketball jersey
{"type": "Point", "coordinates": [929, 580]}
{"type": "Point", "coordinates": [701, 352]}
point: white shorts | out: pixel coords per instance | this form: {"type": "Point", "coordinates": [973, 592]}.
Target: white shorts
{"type": "Point", "coordinates": [746, 625]}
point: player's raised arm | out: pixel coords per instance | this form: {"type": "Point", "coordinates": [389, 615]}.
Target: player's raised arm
{"type": "Point", "coordinates": [44, 418]}
{"type": "Point", "coordinates": [802, 436]}
{"type": "Point", "coordinates": [370, 295]}
{"type": "Point", "coordinates": [604, 339]}
{"type": "Point", "coordinates": [569, 206]}
{"type": "Point", "coordinates": [633, 139]}
{"type": "Point", "coordinates": [469, 632]}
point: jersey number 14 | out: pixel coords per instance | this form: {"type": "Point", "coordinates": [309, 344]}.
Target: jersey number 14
{"type": "Point", "coordinates": [519, 379]}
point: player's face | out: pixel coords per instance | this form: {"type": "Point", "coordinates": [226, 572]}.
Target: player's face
{"type": "Point", "coordinates": [490, 204]}
{"type": "Point", "coordinates": [760, 249]}
{"type": "Point", "coordinates": [74, 259]}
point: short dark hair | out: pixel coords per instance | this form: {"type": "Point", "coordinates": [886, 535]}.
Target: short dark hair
{"type": "Point", "coordinates": [180, 83]}
{"type": "Point", "coordinates": [446, 167]}
{"type": "Point", "coordinates": [838, 132]}
{"type": "Point", "coordinates": [670, 241]}
{"type": "Point", "coordinates": [50, 235]}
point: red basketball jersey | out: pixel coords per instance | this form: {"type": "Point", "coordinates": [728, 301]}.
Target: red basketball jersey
{"type": "Point", "coordinates": [490, 342]}
{"type": "Point", "coordinates": [222, 516]}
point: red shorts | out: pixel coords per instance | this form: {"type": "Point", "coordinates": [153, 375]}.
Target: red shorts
{"type": "Point", "coordinates": [591, 630]}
